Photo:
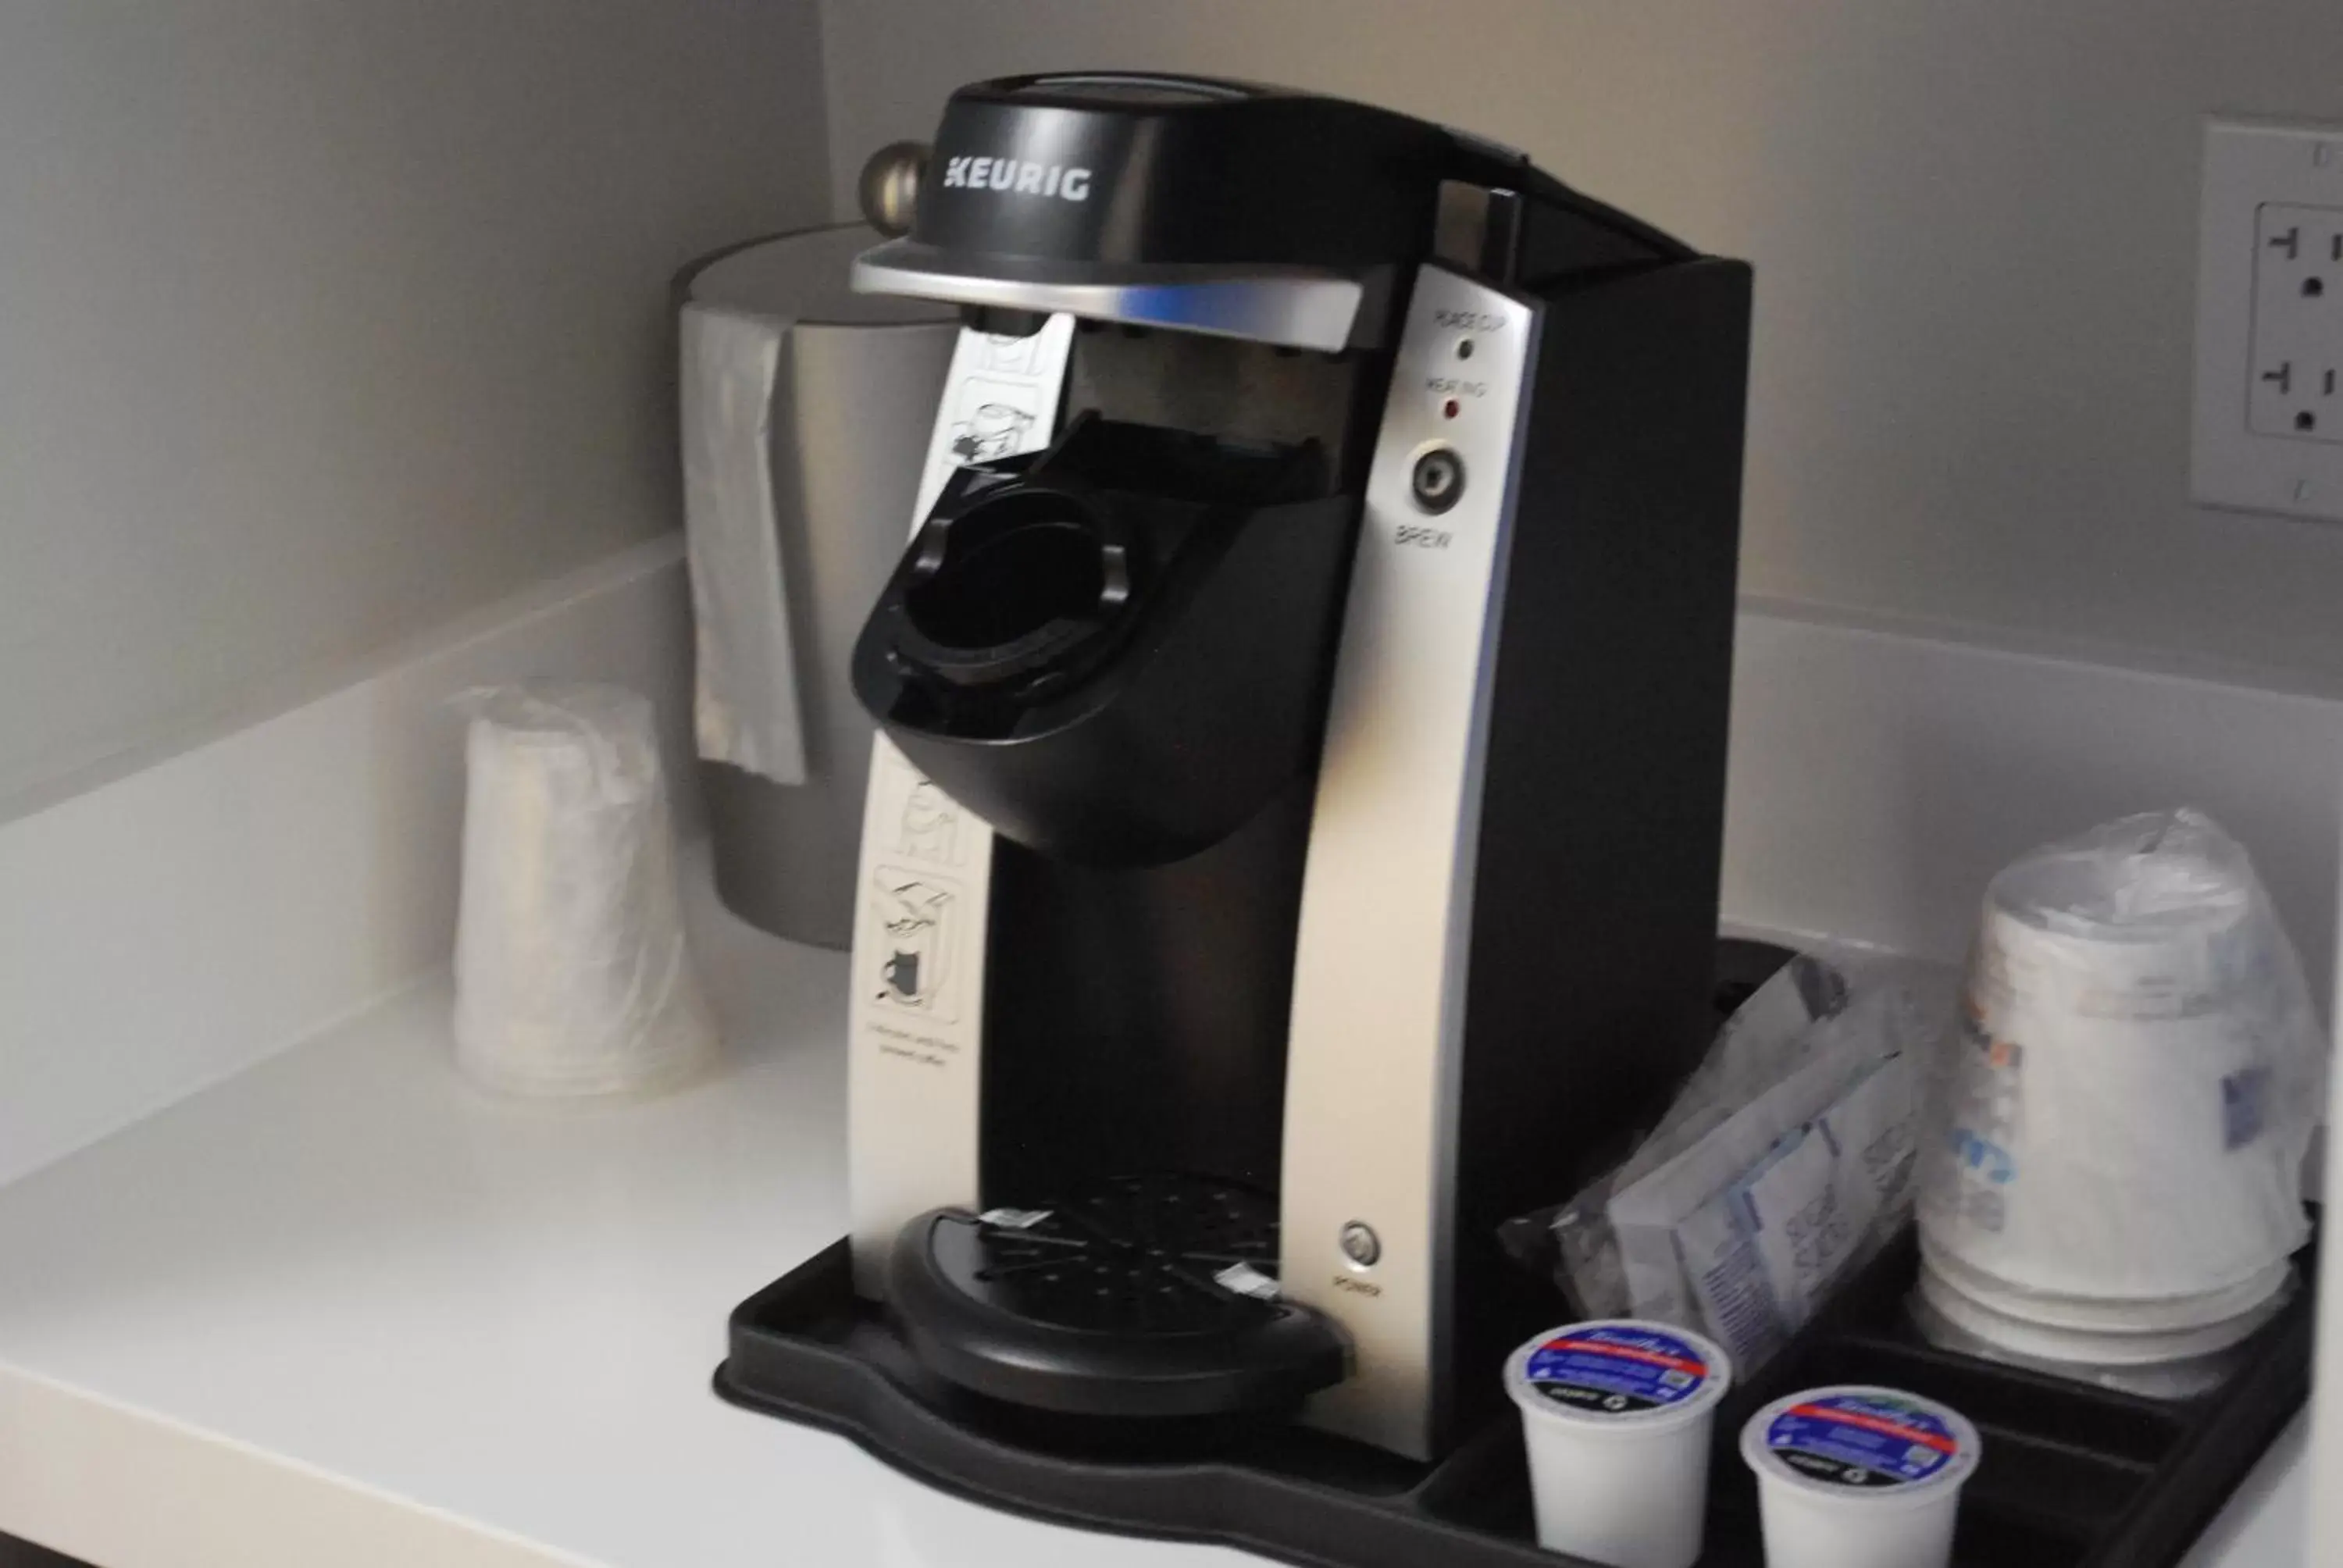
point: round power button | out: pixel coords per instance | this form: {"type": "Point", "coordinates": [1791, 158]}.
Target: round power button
{"type": "Point", "coordinates": [1437, 479]}
{"type": "Point", "coordinates": [1360, 1244]}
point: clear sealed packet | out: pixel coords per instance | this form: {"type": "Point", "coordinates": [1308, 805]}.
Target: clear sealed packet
{"type": "Point", "coordinates": [1784, 1164]}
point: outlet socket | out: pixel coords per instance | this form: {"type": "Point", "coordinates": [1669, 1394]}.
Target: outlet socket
{"type": "Point", "coordinates": [2297, 323]}
{"type": "Point", "coordinates": [2268, 431]}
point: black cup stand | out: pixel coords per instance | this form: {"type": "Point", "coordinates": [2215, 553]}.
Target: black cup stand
{"type": "Point", "coordinates": [2073, 1476]}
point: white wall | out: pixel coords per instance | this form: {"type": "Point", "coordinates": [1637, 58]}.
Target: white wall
{"type": "Point", "coordinates": [325, 321]}
{"type": "Point", "coordinates": [1974, 228]}
{"type": "Point", "coordinates": [168, 930]}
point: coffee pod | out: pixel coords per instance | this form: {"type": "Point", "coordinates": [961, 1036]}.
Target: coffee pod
{"type": "Point", "coordinates": [1616, 1417]}
{"type": "Point", "coordinates": [1859, 1477]}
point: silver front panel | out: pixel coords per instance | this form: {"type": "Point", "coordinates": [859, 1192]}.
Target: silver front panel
{"type": "Point", "coordinates": [916, 1015]}
{"type": "Point", "coordinates": [1375, 1047]}
{"type": "Point", "coordinates": [1291, 308]}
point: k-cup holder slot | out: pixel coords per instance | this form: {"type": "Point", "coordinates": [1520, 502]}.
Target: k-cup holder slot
{"type": "Point", "coordinates": [1484, 1485]}
{"type": "Point", "coordinates": [2116, 1428]}
{"type": "Point", "coordinates": [2060, 1464]}
{"type": "Point", "coordinates": [1981, 1540]}
{"type": "Point", "coordinates": [2052, 1485]}
{"type": "Point", "coordinates": [1984, 1539]}
{"type": "Point", "coordinates": [1014, 582]}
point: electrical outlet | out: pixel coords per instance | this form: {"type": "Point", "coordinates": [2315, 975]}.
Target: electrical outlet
{"type": "Point", "coordinates": [2297, 323]}
{"type": "Point", "coordinates": [2268, 432]}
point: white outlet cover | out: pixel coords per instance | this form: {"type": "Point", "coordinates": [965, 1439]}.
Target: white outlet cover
{"type": "Point", "coordinates": [2250, 166]}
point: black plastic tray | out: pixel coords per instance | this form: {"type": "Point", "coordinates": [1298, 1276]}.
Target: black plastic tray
{"type": "Point", "coordinates": [2073, 1476]}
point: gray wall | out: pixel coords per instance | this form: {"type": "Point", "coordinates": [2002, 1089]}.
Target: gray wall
{"type": "Point", "coordinates": [1973, 225]}
{"type": "Point", "coordinates": [323, 321]}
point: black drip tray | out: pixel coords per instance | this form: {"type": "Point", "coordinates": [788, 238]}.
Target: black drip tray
{"type": "Point", "coordinates": [1130, 1299]}
{"type": "Point", "coordinates": [2073, 1476]}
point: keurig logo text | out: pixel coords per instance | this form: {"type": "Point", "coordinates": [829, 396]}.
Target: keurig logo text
{"type": "Point", "coordinates": [1019, 176]}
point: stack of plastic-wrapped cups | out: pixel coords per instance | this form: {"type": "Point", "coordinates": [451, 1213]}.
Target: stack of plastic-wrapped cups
{"type": "Point", "coordinates": [2116, 1189]}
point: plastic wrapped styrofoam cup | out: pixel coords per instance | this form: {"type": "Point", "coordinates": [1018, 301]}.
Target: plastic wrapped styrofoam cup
{"type": "Point", "coordinates": [1859, 1477]}
{"type": "Point", "coordinates": [572, 973]}
{"type": "Point", "coordinates": [1615, 1416]}
{"type": "Point", "coordinates": [2134, 1083]}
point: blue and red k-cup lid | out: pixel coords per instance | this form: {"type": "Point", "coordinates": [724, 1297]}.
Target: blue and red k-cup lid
{"type": "Point", "coordinates": [1618, 1369]}
{"type": "Point", "coordinates": [1856, 1439]}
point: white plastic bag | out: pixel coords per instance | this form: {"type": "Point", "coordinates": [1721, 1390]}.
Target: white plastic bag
{"type": "Point", "coordinates": [2136, 1076]}
{"type": "Point", "coordinates": [572, 975]}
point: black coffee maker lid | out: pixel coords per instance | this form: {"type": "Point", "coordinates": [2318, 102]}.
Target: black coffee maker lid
{"type": "Point", "coordinates": [1190, 203]}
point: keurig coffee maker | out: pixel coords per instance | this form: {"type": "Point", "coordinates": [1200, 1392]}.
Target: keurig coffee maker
{"type": "Point", "coordinates": [1292, 845]}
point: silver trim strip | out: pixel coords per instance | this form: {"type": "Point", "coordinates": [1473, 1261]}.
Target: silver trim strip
{"type": "Point", "coordinates": [1296, 310]}
{"type": "Point", "coordinates": [1374, 1053]}
{"type": "Point", "coordinates": [1464, 882]}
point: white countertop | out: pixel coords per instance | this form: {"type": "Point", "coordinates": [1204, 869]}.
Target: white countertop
{"type": "Point", "coordinates": [345, 1308]}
